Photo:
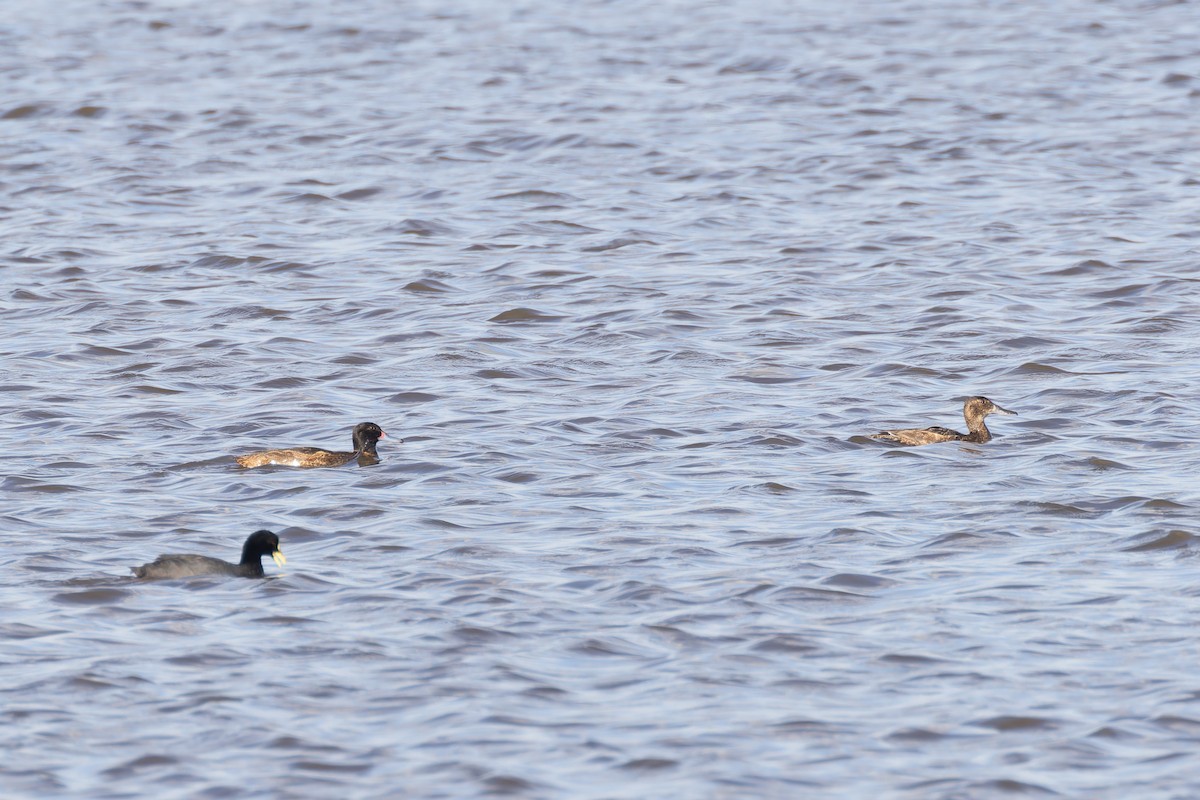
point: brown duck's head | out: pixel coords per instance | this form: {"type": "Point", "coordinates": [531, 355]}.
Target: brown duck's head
{"type": "Point", "coordinates": [366, 434]}
{"type": "Point", "coordinates": [979, 407]}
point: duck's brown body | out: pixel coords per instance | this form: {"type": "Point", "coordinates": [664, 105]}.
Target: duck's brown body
{"type": "Point", "coordinates": [975, 409]}
{"type": "Point", "coordinates": [366, 435]}
{"type": "Point", "coordinates": [297, 457]}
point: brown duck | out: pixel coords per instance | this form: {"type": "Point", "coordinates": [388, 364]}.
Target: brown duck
{"type": "Point", "coordinates": [366, 435]}
{"type": "Point", "coordinates": [974, 410]}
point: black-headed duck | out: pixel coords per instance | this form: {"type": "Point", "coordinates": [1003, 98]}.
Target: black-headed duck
{"type": "Point", "coordinates": [974, 410]}
{"type": "Point", "coordinates": [260, 543]}
{"type": "Point", "coordinates": [366, 435]}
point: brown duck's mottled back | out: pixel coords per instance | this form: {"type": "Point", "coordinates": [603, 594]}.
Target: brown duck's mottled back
{"type": "Point", "coordinates": [919, 436]}
{"type": "Point", "coordinates": [975, 409]}
{"type": "Point", "coordinates": [297, 457]}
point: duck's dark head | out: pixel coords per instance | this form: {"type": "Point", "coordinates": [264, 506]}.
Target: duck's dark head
{"type": "Point", "coordinates": [979, 407]}
{"type": "Point", "coordinates": [262, 543]}
{"type": "Point", "coordinates": [366, 435]}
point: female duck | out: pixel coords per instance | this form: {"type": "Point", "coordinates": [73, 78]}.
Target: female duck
{"type": "Point", "coordinates": [260, 543]}
{"type": "Point", "coordinates": [974, 410]}
{"type": "Point", "coordinates": [366, 435]}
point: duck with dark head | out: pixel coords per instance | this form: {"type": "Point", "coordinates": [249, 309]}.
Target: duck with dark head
{"type": "Point", "coordinates": [366, 435]}
{"type": "Point", "coordinates": [974, 411]}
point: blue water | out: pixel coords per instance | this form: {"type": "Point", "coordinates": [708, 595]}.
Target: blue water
{"type": "Point", "coordinates": [633, 283]}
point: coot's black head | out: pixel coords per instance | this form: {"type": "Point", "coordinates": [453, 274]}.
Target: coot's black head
{"type": "Point", "coordinates": [262, 543]}
{"type": "Point", "coordinates": [366, 434]}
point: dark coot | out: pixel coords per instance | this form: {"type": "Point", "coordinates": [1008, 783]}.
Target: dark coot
{"type": "Point", "coordinates": [260, 543]}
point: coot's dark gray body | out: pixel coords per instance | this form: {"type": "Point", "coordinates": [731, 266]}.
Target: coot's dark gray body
{"type": "Point", "coordinates": [260, 543]}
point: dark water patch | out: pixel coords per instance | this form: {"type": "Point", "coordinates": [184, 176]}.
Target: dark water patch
{"type": "Point", "coordinates": [524, 315]}
{"type": "Point", "coordinates": [1029, 342]}
{"type": "Point", "coordinates": [959, 540]}
{"type": "Point", "coordinates": [857, 581]}
{"type": "Point", "coordinates": [20, 484]}
{"type": "Point", "coordinates": [156, 390]}
{"type": "Point", "coordinates": [785, 644]}
{"type": "Point", "coordinates": [412, 398]}
{"type": "Point", "coordinates": [509, 785]}
{"type": "Point", "coordinates": [251, 312]}
{"type": "Point", "coordinates": [537, 196]}
{"type": "Point", "coordinates": [326, 766]}
{"type": "Point", "coordinates": [1160, 504]}
{"type": "Point", "coordinates": [1007, 786]}
{"type": "Point", "coordinates": [909, 659]}
{"type": "Point", "coordinates": [1171, 540]}
{"type": "Point", "coordinates": [359, 194]}
{"type": "Point", "coordinates": [140, 765]}
{"type": "Point", "coordinates": [93, 597]}
{"type": "Point", "coordinates": [285, 621]}
{"type": "Point", "coordinates": [421, 227]}
{"type": "Point", "coordinates": [27, 111]}
{"type": "Point", "coordinates": [1017, 724]}
{"type": "Point", "coordinates": [306, 198]}
{"type": "Point", "coordinates": [428, 285]}
{"type": "Point", "coordinates": [1104, 465]}
{"type": "Point", "coordinates": [1061, 509]}
{"type": "Point", "coordinates": [1037, 368]}
{"type": "Point", "coordinates": [617, 244]}
{"type": "Point", "coordinates": [649, 764]}
{"type": "Point", "coordinates": [772, 487]}
{"type": "Point", "coordinates": [1087, 267]}
{"type": "Point", "coordinates": [807, 594]}
{"type": "Point", "coordinates": [916, 735]}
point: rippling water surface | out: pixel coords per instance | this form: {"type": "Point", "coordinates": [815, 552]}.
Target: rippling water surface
{"type": "Point", "coordinates": [632, 281]}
